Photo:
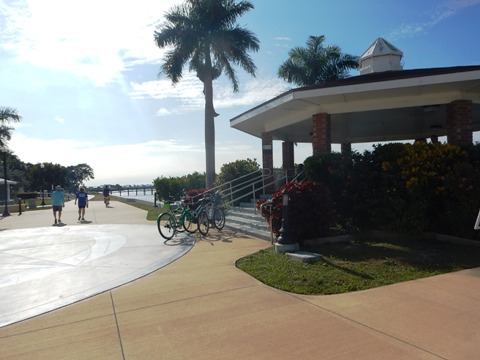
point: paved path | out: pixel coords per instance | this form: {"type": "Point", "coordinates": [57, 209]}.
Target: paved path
{"type": "Point", "coordinates": [45, 268]}
{"type": "Point", "coordinates": [201, 306]}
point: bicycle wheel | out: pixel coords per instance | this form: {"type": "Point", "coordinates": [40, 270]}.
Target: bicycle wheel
{"type": "Point", "coordinates": [178, 222]}
{"type": "Point", "coordinates": [166, 225]}
{"type": "Point", "coordinates": [218, 218]}
{"type": "Point", "coordinates": [203, 222]}
{"type": "Point", "coordinates": [188, 222]}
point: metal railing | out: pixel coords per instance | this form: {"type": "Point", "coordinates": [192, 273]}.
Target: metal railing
{"type": "Point", "coordinates": [251, 186]}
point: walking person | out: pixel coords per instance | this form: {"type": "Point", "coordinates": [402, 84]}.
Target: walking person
{"type": "Point", "coordinates": [82, 199]}
{"type": "Point", "coordinates": [106, 195]}
{"type": "Point", "coordinates": [58, 202]}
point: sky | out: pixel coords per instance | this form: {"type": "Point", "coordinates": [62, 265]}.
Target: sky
{"type": "Point", "coordinates": [85, 76]}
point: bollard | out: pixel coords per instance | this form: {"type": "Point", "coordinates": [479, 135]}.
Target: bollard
{"type": "Point", "coordinates": [19, 206]}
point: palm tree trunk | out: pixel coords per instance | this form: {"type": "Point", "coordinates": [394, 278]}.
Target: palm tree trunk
{"type": "Point", "coordinates": [209, 133]}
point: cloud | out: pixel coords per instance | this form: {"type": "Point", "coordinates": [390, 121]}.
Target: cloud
{"type": "Point", "coordinates": [433, 17]}
{"type": "Point", "coordinates": [94, 39]}
{"type": "Point", "coordinates": [139, 162]}
{"type": "Point", "coordinates": [189, 92]}
{"type": "Point", "coordinates": [255, 91]}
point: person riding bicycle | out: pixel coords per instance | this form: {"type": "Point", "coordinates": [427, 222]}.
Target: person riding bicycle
{"type": "Point", "coordinates": [106, 195]}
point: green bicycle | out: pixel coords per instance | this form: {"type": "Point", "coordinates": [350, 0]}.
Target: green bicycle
{"type": "Point", "coordinates": [182, 219]}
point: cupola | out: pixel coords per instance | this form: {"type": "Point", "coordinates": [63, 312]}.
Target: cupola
{"type": "Point", "coordinates": [380, 56]}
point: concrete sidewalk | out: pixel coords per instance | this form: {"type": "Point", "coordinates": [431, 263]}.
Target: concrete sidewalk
{"type": "Point", "coordinates": [201, 306]}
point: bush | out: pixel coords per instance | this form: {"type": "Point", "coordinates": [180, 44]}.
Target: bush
{"type": "Point", "coordinates": [310, 210]}
{"type": "Point", "coordinates": [405, 188]}
{"type": "Point", "coordinates": [27, 195]}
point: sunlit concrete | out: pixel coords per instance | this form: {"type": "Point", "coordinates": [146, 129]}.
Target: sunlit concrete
{"type": "Point", "coordinates": [44, 268]}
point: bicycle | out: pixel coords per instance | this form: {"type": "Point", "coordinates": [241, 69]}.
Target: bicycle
{"type": "Point", "coordinates": [215, 212]}
{"type": "Point", "coordinates": [182, 219]}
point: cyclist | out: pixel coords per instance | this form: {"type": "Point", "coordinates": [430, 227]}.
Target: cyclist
{"type": "Point", "coordinates": [106, 195]}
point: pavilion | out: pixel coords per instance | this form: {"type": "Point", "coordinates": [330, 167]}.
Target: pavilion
{"type": "Point", "coordinates": [2, 184]}
{"type": "Point", "coordinates": [383, 103]}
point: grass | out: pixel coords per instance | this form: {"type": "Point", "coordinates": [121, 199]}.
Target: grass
{"type": "Point", "coordinates": [359, 265]}
{"type": "Point", "coordinates": [152, 212]}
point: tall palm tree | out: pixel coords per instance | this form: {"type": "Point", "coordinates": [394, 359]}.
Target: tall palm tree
{"type": "Point", "coordinates": [204, 34]}
{"type": "Point", "coordinates": [7, 115]}
{"type": "Point", "coordinates": [316, 63]}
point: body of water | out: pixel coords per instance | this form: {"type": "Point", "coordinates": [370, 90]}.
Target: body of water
{"type": "Point", "coordinates": [135, 195]}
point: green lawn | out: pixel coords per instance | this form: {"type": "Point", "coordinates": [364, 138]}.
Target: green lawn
{"type": "Point", "coordinates": [359, 265]}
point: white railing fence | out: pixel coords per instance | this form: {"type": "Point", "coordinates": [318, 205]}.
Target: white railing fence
{"type": "Point", "coordinates": [251, 187]}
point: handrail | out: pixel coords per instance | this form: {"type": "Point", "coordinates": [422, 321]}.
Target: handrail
{"type": "Point", "coordinates": [253, 183]}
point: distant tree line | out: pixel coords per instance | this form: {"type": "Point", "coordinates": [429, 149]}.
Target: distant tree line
{"type": "Point", "coordinates": [43, 176]}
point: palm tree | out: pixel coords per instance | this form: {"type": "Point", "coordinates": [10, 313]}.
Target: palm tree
{"type": "Point", "coordinates": [316, 64]}
{"type": "Point", "coordinates": [204, 34]}
{"type": "Point", "coordinates": [7, 115]}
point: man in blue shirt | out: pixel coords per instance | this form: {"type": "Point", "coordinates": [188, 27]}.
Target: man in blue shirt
{"type": "Point", "coordinates": [58, 202]}
{"type": "Point", "coordinates": [82, 199]}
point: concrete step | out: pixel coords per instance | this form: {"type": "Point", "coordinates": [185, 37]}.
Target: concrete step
{"type": "Point", "coordinates": [247, 220]}
{"type": "Point", "coordinates": [252, 204]}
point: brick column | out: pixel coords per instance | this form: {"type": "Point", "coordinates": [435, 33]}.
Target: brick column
{"type": "Point", "coordinates": [267, 159]}
{"type": "Point", "coordinates": [460, 122]}
{"type": "Point", "coordinates": [288, 156]}
{"type": "Point", "coordinates": [267, 151]}
{"type": "Point", "coordinates": [346, 149]}
{"type": "Point", "coordinates": [321, 141]}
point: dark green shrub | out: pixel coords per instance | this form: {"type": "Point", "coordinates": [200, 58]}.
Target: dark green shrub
{"type": "Point", "coordinates": [310, 209]}
{"type": "Point", "coordinates": [27, 195]}
{"type": "Point", "coordinates": [406, 188]}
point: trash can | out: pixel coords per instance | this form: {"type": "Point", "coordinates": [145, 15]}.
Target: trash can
{"type": "Point", "coordinates": [32, 203]}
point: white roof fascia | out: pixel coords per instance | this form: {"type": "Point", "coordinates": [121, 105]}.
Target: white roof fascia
{"type": "Point", "coordinates": [388, 84]}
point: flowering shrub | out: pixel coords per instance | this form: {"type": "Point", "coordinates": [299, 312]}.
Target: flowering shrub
{"type": "Point", "coordinates": [310, 210]}
{"type": "Point", "coordinates": [407, 188]}
{"type": "Point", "coordinates": [431, 188]}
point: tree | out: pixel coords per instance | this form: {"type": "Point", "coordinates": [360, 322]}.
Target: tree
{"type": "Point", "coordinates": [204, 34]}
{"type": "Point", "coordinates": [76, 175]}
{"type": "Point", "coordinates": [45, 176]}
{"type": "Point", "coordinates": [7, 115]}
{"type": "Point", "coordinates": [316, 64]}
{"type": "Point", "coordinates": [17, 171]}
{"type": "Point", "coordinates": [174, 186]}
{"type": "Point", "coordinates": [237, 169]}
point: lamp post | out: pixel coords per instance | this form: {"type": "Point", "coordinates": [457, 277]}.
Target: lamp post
{"type": "Point", "coordinates": [286, 241]}
{"type": "Point", "coordinates": [5, 184]}
{"type": "Point", "coordinates": [286, 234]}
{"type": "Point", "coordinates": [43, 191]}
